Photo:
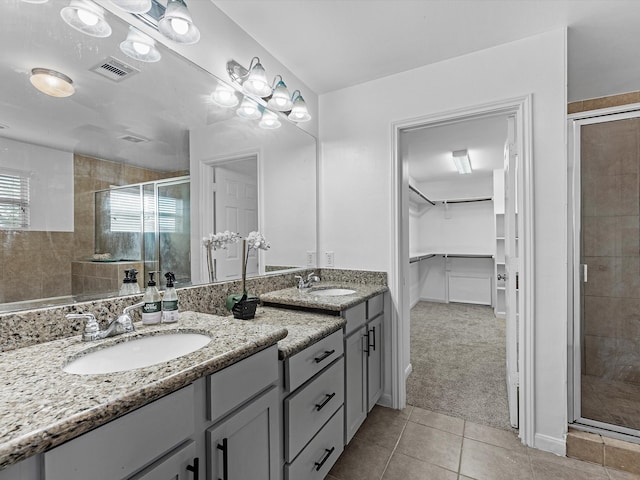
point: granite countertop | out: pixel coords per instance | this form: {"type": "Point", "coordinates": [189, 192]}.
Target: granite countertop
{"type": "Point", "coordinates": [305, 298]}
{"type": "Point", "coordinates": [41, 406]}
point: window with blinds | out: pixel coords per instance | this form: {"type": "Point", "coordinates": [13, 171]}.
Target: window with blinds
{"type": "Point", "coordinates": [14, 200]}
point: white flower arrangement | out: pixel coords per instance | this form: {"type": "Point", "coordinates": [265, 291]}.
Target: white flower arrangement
{"type": "Point", "coordinates": [255, 240]}
{"type": "Point", "coordinates": [217, 241]}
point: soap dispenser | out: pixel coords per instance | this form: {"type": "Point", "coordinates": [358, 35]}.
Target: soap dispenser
{"type": "Point", "coordinates": [170, 300]}
{"type": "Point", "coordinates": [125, 288]}
{"type": "Point", "coordinates": [152, 303]}
{"type": "Point", "coordinates": [133, 286]}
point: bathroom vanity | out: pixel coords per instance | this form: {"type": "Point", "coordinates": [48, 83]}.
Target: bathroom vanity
{"type": "Point", "coordinates": [270, 398]}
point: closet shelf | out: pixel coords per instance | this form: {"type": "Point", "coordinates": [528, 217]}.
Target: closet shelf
{"type": "Point", "coordinates": [419, 257]}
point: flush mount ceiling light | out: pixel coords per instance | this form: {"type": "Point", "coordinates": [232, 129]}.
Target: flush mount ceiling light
{"type": "Point", "coordinates": [86, 17]}
{"type": "Point", "coordinates": [35, 1]}
{"type": "Point", "coordinates": [134, 6]}
{"type": "Point", "coordinates": [249, 109]}
{"type": "Point", "coordinates": [299, 112]}
{"type": "Point", "coordinates": [140, 46]}
{"type": "Point", "coordinates": [54, 84]}
{"type": "Point", "coordinates": [176, 24]}
{"type": "Point", "coordinates": [461, 161]}
{"type": "Point", "coordinates": [225, 96]}
{"type": "Point", "coordinates": [280, 99]}
{"type": "Point", "coordinates": [269, 121]}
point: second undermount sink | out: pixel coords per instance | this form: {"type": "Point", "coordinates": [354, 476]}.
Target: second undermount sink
{"type": "Point", "coordinates": [332, 292]}
{"type": "Point", "coordinates": [137, 353]}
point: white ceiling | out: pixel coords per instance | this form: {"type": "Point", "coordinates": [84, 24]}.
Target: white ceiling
{"type": "Point", "coordinates": [332, 44]}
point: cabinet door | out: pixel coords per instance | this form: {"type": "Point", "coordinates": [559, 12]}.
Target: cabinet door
{"type": "Point", "coordinates": [245, 445]}
{"type": "Point", "coordinates": [355, 382]}
{"type": "Point", "coordinates": [181, 464]}
{"type": "Point", "coordinates": [374, 361]}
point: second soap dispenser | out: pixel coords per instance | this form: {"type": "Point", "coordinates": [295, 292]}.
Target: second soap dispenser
{"type": "Point", "coordinates": [152, 303]}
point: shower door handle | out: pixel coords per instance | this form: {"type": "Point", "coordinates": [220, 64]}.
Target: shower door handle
{"type": "Point", "coordinates": [585, 269]}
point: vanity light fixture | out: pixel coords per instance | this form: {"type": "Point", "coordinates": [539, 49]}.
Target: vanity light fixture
{"type": "Point", "coordinates": [86, 17]}
{"type": "Point", "coordinates": [140, 46]}
{"type": "Point", "coordinates": [299, 112]}
{"type": "Point", "coordinates": [134, 6]}
{"type": "Point", "coordinates": [461, 161]}
{"type": "Point", "coordinates": [176, 24]}
{"type": "Point", "coordinates": [51, 82]}
{"type": "Point", "coordinates": [256, 82]}
{"type": "Point", "coordinates": [269, 121]}
{"type": "Point", "coordinates": [249, 109]}
{"type": "Point", "coordinates": [225, 96]}
{"type": "Point", "coordinates": [280, 99]}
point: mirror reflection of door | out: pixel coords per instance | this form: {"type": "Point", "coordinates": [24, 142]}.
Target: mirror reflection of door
{"type": "Point", "coordinates": [235, 199]}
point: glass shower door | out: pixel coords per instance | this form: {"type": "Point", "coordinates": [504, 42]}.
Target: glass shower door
{"type": "Point", "coordinates": [608, 309]}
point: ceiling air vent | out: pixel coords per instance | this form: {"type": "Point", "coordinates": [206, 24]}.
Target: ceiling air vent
{"type": "Point", "coordinates": [114, 69]}
{"type": "Point", "coordinates": [133, 138]}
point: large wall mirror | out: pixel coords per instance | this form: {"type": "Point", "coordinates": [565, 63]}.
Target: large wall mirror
{"type": "Point", "coordinates": [133, 169]}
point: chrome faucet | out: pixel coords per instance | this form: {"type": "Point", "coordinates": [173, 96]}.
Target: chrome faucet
{"type": "Point", "coordinates": [311, 278]}
{"type": "Point", "coordinates": [118, 326]}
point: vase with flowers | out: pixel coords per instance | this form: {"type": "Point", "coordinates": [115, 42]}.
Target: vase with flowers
{"type": "Point", "coordinates": [243, 306]}
{"type": "Point", "coordinates": [214, 242]}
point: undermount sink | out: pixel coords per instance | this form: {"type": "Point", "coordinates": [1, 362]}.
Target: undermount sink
{"type": "Point", "coordinates": [333, 292]}
{"type": "Point", "coordinates": [140, 352]}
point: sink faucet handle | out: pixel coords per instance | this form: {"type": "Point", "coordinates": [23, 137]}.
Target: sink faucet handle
{"type": "Point", "coordinates": [125, 318]}
{"type": "Point", "coordinates": [91, 326]}
{"type": "Point", "coordinates": [301, 283]}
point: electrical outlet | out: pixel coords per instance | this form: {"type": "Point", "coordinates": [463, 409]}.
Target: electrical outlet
{"type": "Point", "coordinates": [311, 259]}
{"type": "Point", "coordinates": [329, 260]}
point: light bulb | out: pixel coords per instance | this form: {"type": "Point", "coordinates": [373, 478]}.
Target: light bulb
{"type": "Point", "coordinates": [87, 18]}
{"type": "Point", "coordinates": [179, 26]}
{"type": "Point", "coordinates": [141, 48]}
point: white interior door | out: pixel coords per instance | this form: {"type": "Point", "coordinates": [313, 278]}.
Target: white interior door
{"type": "Point", "coordinates": [511, 268]}
{"type": "Point", "coordinates": [235, 209]}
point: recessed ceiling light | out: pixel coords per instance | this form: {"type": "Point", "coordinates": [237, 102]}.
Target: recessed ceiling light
{"type": "Point", "coordinates": [51, 82]}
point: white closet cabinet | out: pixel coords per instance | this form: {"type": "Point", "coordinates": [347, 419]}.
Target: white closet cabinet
{"type": "Point", "coordinates": [363, 346]}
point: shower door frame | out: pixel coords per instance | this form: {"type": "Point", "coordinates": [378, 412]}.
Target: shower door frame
{"type": "Point", "coordinates": [575, 275]}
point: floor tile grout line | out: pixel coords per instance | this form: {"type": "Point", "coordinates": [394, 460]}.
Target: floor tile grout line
{"type": "Point", "coordinates": [464, 430]}
{"type": "Point", "coordinates": [395, 447]}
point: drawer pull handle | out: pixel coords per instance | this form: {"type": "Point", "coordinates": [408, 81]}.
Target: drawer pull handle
{"type": "Point", "coordinates": [326, 354]}
{"type": "Point", "coordinates": [328, 397]}
{"type": "Point", "coordinates": [372, 333]}
{"type": "Point", "coordinates": [195, 468]}
{"type": "Point", "coordinates": [326, 457]}
{"type": "Point", "coordinates": [225, 463]}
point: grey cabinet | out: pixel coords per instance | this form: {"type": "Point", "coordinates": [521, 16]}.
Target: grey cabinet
{"type": "Point", "coordinates": [363, 347]}
{"type": "Point", "coordinates": [181, 464]}
{"type": "Point", "coordinates": [244, 445]}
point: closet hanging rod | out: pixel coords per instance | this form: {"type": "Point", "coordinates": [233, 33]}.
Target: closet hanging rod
{"type": "Point", "coordinates": [418, 258]}
{"type": "Point", "coordinates": [420, 194]}
{"type": "Point", "coordinates": [470, 200]}
{"type": "Point", "coordinates": [470, 255]}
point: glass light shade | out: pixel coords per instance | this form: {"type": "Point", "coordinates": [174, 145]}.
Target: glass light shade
{"type": "Point", "coordinates": [140, 46]}
{"type": "Point", "coordinates": [249, 109]}
{"type": "Point", "coordinates": [176, 24]}
{"type": "Point", "coordinates": [299, 112]}
{"type": "Point", "coordinates": [280, 99]}
{"type": "Point", "coordinates": [269, 121]}
{"type": "Point", "coordinates": [86, 17]}
{"type": "Point", "coordinates": [134, 6]}
{"type": "Point", "coordinates": [256, 83]}
{"type": "Point", "coordinates": [54, 84]}
{"type": "Point", "coordinates": [225, 96]}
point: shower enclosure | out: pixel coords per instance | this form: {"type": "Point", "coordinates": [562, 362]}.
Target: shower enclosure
{"type": "Point", "coordinates": [147, 222]}
{"type": "Point", "coordinates": [606, 253]}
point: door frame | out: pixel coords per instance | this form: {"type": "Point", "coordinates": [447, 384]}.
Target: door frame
{"type": "Point", "coordinates": [399, 242]}
{"type": "Point", "coordinates": [574, 122]}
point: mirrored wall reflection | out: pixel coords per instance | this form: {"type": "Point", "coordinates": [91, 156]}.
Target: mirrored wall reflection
{"type": "Point", "coordinates": [122, 132]}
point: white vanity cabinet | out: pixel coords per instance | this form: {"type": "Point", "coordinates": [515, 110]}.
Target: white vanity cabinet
{"type": "Point", "coordinates": [363, 345]}
{"type": "Point", "coordinates": [313, 399]}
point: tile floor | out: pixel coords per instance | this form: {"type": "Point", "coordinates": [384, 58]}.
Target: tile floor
{"type": "Point", "coordinates": [416, 444]}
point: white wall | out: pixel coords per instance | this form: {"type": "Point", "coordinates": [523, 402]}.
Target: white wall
{"type": "Point", "coordinates": [356, 167]}
{"type": "Point", "coordinates": [51, 183]}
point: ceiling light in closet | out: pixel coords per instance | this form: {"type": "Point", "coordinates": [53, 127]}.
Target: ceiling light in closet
{"type": "Point", "coordinates": [140, 46]}
{"type": "Point", "coordinates": [51, 82]}
{"type": "Point", "coordinates": [134, 6]}
{"type": "Point", "coordinates": [86, 17]}
{"type": "Point", "coordinates": [461, 161]}
{"type": "Point", "coordinates": [176, 24]}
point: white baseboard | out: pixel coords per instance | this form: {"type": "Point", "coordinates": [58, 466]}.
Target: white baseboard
{"type": "Point", "coordinates": [433, 300]}
{"type": "Point", "coordinates": [407, 371]}
{"type": "Point", "coordinates": [385, 400]}
{"type": "Point", "coordinates": [550, 444]}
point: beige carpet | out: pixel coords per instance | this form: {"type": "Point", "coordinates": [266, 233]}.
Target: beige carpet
{"type": "Point", "coordinates": [458, 360]}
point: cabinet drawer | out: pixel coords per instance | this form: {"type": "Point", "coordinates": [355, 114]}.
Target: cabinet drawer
{"type": "Point", "coordinates": [355, 317]}
{"type": "Point", "coordinates": [233, 386]}
{"type": "Point", "coordinates": [305, 364]}
{"type": "Point", "coordinates": [375, 306]}
{"type": "Point", "coordinates": [125, 445]}
{"type": "Point", "coordinates": [315, 461]}
{"type": "Point", "coordinates": [307, 410]}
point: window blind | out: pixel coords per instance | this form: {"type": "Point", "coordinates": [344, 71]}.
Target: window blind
{"type": "Point", "coordinates": [14, 200]}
